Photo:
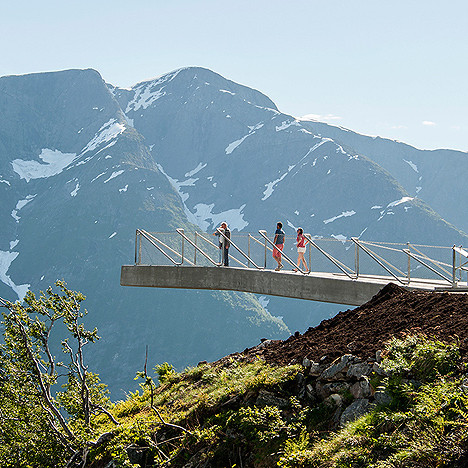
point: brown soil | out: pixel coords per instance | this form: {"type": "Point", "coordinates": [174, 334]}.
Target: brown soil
{"type": "Point", "coordinates": [394, 311]}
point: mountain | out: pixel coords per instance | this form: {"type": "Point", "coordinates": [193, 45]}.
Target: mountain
{"type": "Point", "coordinates": [436, 176]}
{"type": "Point", "coordinates": [77, 180]}
{"type": "Point", "coordinates": [84, 163]}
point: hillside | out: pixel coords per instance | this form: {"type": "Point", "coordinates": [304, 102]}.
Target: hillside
{"type": "Point", "coordinates": [394, 311]}
{"type": "Point", "coordinates": [404, 406]}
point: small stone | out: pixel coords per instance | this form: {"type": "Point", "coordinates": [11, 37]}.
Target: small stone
{"type": "Point", "coordinates": [306, 362]}
{"type": "Point", "coordinates": [378, 369]}
{"type": "Point", "coordinates": [378, 356]}
{"type": "Point", "coordinates": [316, 369]}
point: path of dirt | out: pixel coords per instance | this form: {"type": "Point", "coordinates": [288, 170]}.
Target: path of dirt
{"type": "Point", "coordinates": [394, 311]}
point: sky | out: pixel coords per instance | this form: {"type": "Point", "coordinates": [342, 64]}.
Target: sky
{"type": "Point", "coordinates": [397, 69]}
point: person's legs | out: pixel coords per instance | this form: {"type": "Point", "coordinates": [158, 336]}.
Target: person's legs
{"type": "Point", "coordinates": [226, 257]}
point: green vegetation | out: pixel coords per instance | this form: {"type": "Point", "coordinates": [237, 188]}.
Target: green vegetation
{"type": "Point", "coordinates": [230, 413]}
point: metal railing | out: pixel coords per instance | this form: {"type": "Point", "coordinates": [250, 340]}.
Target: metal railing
{"type": "Point", "coordinates": [402, 262]}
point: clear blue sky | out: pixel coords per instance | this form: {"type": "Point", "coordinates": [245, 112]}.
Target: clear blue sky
{"type": "Point", "coordinates": [397, 69]}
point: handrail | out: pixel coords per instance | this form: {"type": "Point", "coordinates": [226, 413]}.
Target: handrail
{"type": "Point", "coordinates": [184, 260]}
{"type": "Point", "coordinates": [150, 238]}
{"type": "Point", "coordinates": [427, 266]}
{"type": "Point", "coordinates": [181, 232]}
{"type": "Point", "coordinates": [263, 234]}
{"type": "Point", "coordinates": [239, 250]}
{"type": "Point", "coordinates": [332, 259]}
{"type": "Point", "coordinates": [373, 256]}
{"type": "Point", "coordinates": [435, 262]}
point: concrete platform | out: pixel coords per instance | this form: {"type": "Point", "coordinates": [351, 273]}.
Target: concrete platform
{"type": "Point", "coordinates": [322, 287]}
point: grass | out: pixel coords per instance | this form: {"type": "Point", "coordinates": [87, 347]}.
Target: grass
{"type": "Point", "coordinates": [425, 424]}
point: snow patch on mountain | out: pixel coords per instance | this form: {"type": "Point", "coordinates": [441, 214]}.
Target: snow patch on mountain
{"type": "Point", "coordinates": [197, 169]}
{"type": "Point", "coordinates": [149, 92]}
{"type": "Point", "coordinates": [6, 259]}
{"type": "Point", "coordinates": [232, 146]}
{"type": "Point", "coordinates": [124, 189]}
{"type": "Point", "coordinates": [286, 124]}
{"type": "Point", "coordinates": [412, 165]}
{"type": "Point", "coordinates": [19, 205]}
{"type": "Point", "coordinates": [400, 201]}
{"type": "Point", "coordinates": [344, 214]}
{"type": "Point", "coordinates": [55, 162]}
{"type": "Point", "coordinates": [340, 237]}
{"type": "Point", "coordinates": [270, 186]}
{"type": "Point", "coordinates": [114, 175]}
{"type": "Point", "coordinates": [75, 190]}
{"type": "Point", "coordinates": [233, 217]}
{"type": "Point", "coordinates": [13, 244]}
{"type": "Point", "coordinates": [108, 131]}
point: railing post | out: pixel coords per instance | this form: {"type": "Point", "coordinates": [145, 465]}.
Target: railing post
{"type": "Point", "coordinates": [409, 264]}
{"type": "Point", "coordinates": [356, 259]}
{"type": "Point", "coordinates": [454, 267]}
{"type": "Point", "coordinates": [265, 252]}
{"type": "Point", "coordinates": [139, 251]}
{"type": "Point", "coordinates": [195, 254]}
{"type": "Point", "coordinates": [248, 248]}
{"type": "Point", "coordinates": [136, 247]}
{"type": "Point", "coordinates": [183, 241]}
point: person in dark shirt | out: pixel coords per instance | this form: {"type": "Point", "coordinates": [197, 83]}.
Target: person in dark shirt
{"type": "Point", "coordinates": [226, 244]}
{"type": "Point", "coordinates": [279, 244]}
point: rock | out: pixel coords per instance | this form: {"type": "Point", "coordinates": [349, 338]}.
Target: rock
{"type": "Point", "coordinates": [355, 410]}
{"type": "Point", "coordinates": [379, 370]}
{"type": "Point", "coordinates": [137, 455]}
{"type": "Point", "coordinates": [381, 397]}
{"type": "Point", "coordinates": [361, 389]}
{"type": "Point", "coordinates": [310, 392]}
{"type": "Point", "coordinates": [316, 369]}
{"type": "Point", "coordinates": [337, 367]}
{"type": "Point", "coordinates": [378, 356]}
{"type": "Point", "coordinates": [334, 400]}
{"type": "Point", "coordinates": [104, 438]}
{"type": "Point", "coordinates": [263, 344]}
{"type": "Point", "coordinates": [270, 399]}
{"type": "Point", "coordinates": [464, 386]}
{"type": "Point", "coordinates": [360, 370]}
{"type": "Point", "coordinates": [306, 362]}
{"type": "Point", "coordinates": [324, 390]}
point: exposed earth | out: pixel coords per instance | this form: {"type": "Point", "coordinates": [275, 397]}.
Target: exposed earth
{"type": "Point", "coordinates": [394, 311]}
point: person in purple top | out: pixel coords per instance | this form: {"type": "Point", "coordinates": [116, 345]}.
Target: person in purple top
{"type": "Point", "coordinates": [279, 245]}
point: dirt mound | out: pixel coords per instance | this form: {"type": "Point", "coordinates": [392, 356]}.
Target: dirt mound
{"type": "Point", "coordinates": [394, 311]}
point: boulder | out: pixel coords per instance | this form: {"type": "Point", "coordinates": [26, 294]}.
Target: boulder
{"type": "Point", "coordinates": [361, 389]}
{"type": "Point", "coordinates": [360, 370]}
{"type": "Point", "coordinates": [270, 399]}
{"type": "Point", "coordinates": [324, 390]}
{"type": "Point", "coordinates": [337, 368]}
{"type": "Point", "coordinates": [381, 397]}
{"type": "Point", "coordinates": [355, 410]}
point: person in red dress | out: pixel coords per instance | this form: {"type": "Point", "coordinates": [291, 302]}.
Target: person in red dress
{"type": "Point", "coordinates": [301, 241]}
